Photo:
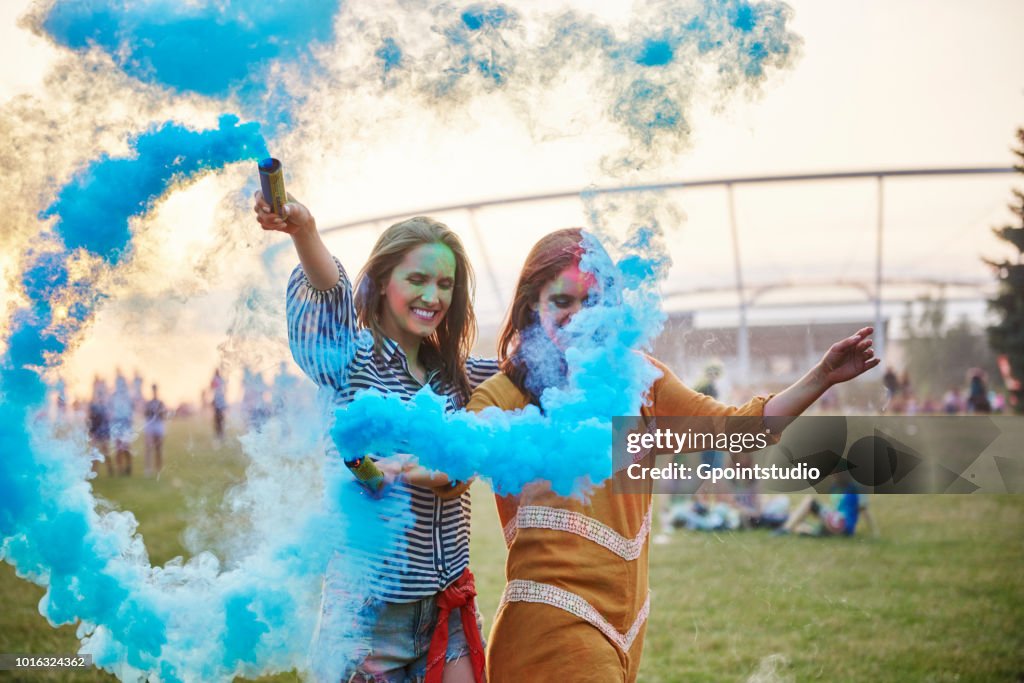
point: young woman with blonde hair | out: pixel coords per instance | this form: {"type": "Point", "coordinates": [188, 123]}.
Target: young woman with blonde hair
{"type": "Point", "coordinates": [407, 324]}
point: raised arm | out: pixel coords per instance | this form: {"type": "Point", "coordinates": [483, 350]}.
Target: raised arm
{"type": "Point", "coordinates": [318, 264]}
{"type": "Point", "coordinates": [322, 325]}
{"type": "Point", "coordinates": [846, 359]}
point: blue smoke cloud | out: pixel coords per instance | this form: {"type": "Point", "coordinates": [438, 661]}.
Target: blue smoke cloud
{"type": "Point", "coordinates": [390, 56]}
{"type": "Point", "coordinates": [470, 31]}
{"type": "Point", "coordinates": [477, 52]}
{"type": "Point", "coordinates": [230, 49]}
{"type": "Point", "coordinates": [643, 78]}
{"type": "Point", "coordinates": [93, 210]}
{"type": "Point", "coordinates": [568, 442]}
{"type": "Point", "coordinates": [211, 48]}
{"type": "Point", "coordinates": [199, 620]}
{"type": "Point", "coordinates": [655, 69]}
{"type": "Point", "coordinates": [744, 38]}
{"type": "Point", "coordinates": [183, 621]}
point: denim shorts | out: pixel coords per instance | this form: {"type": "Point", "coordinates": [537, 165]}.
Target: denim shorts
{"type": "Point", "coordinates": [395, 644]}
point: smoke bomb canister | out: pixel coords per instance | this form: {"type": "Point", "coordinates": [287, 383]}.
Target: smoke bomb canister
{"type": "Point", "coordinates": [272, 184]}
{"type": "Point", "coordinates": [368, 474]}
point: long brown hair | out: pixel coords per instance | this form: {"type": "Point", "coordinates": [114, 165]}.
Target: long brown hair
{"type": "Point", "coordinates": [550, 256]}
{"type": "Point", "coordinates": [450, 343]}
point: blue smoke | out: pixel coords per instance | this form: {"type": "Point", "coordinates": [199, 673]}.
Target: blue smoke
{"type": "Point", "coordinates": [480, 17]}
{"type": "Point", "coordinates": [95, 207]}
{"type": "Point", "coordinates": [183, 621]}
{"type": "Point", "coordinates": [568, 441]}
{"type": "Point", "coordinates": [741, 40]}
{"type": "Point", "coordinates": [211, 48]}
{"type": "Point", "coordinates": [198, 620]}
{"type": "Point", "coordinates": [655, 53]}
{"type": "Point", "coordinates": [476, 47]}
{"type": "Point", "coordinates": [224, 49]}
{"type": "Point", "coordinates": [390, 56]}
{"type": "Point", "coordinates": [643, 79]}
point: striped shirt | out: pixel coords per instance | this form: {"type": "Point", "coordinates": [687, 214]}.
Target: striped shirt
{"type": "Point", "coordinates": [328, 344]}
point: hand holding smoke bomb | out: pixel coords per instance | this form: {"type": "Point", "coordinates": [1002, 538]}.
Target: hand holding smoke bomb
{"type": "Point", "coordinates": [276, 209]}
{"type": "Point", "coordinates": [272, 185]}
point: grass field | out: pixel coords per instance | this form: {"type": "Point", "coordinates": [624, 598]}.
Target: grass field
{"type": "Point", "coordinates": [939, 596]}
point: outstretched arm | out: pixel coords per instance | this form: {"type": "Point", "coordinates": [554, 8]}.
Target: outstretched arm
{"type": "Point", "coordinates": [298, 222]}
{"type": "Point", "coordinates": [846, 359]}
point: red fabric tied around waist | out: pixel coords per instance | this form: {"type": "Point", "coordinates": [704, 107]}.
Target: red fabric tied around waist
{"type": "Point", "coordinates": [459, 595]}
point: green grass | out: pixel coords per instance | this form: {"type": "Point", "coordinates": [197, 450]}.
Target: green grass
{"type": "Point", "coordinates": [937, 597]}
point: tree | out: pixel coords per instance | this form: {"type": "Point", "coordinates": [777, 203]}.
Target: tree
{"type": "Point", "coordinates": [939, 354]}
{"type": "Point", "coordinates": [1007, 336]}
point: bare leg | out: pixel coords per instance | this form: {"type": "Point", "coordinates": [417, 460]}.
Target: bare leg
{"type": "Point", "coordinates": [801, 512]}
{"type": "Point", "coordinates": [148, 454]}
{"type": "Point", "coordinates": [159, 453]}
{"type": "Point", "coordinates": [124, 458]}
{"type": "Point", "coordinates": [459, 671]}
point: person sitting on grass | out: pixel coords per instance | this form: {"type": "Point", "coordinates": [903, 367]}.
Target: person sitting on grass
{"type": "Point", "coordinates": [756, 510]}
{"type": "Point", "coordinates": [837, 518]}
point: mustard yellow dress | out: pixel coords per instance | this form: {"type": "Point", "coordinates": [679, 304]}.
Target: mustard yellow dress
{"type": "Point", "coordinates": [576, 601]}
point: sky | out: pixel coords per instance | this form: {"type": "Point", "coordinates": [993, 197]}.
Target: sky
{"type": "Point", "coordinates": [875, 85]}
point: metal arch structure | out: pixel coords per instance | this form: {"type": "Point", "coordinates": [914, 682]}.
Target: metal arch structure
{"type": "Point", "coordinates": [745, 299]}
{"type": "Point", "coordinates": [865, 289]}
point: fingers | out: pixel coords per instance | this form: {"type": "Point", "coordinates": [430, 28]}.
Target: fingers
{"type": "Point", "coordinates": [259, 203]}
{"type": "Point", "coordinates": [843, 344]}
{"type": "Point", "coordinates": [859, 339]}
{"type": "Point", "coordinates": [271, 221]}
{"type": "Point", "coordinates": [296, 212]}
{"type": "Point", "coordinates": [294, 216]}
{"type": "Point", "coordinates": [388, 468]}
{"type": "Point", "coordinates": [265, 215]}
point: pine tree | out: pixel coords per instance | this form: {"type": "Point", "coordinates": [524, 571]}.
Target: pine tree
{"type": "Point", "coordinates": [1007, 337]}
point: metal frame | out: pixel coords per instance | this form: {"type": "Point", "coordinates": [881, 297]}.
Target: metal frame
{"type": "Point", "coordinates": [743, 345]}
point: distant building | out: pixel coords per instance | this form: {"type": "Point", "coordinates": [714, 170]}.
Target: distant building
{"type": "Point", "coordinates": [779, 352]}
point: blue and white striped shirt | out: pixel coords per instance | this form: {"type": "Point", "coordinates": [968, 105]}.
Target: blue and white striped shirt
{"type": "Point", "coordinates": [328, 344]}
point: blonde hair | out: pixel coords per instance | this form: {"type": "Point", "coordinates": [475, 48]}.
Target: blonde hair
{"type": "Point", "coordinates": [450, 343]}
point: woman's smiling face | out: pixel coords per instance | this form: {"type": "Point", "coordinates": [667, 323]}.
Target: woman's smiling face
{"type": "Point", "coordinates": [418, 293]}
